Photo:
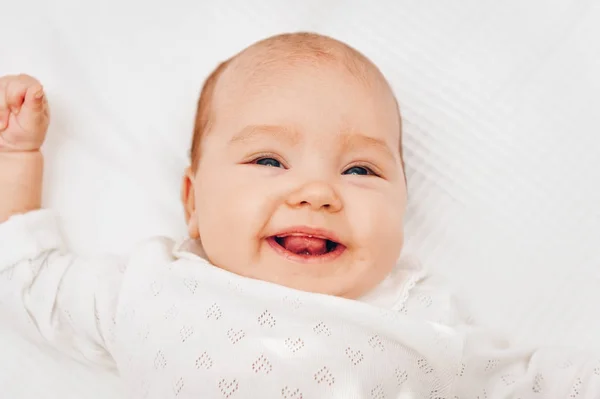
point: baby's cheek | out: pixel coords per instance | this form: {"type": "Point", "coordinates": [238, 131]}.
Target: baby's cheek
{"type": "Point", "coordinates": [229, 211]}
{"type": "Point", "coordinates": [379, 227]}
{"type": "Point", "coordinates": [393, 227]}
{"type": "Point", "coordinates": [215, 205]}
{"type": "Point", "coordinates": [375, 214]}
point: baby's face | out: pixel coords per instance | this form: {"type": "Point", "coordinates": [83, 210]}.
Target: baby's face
{"type": "Point", "coordinates": [300, 180]}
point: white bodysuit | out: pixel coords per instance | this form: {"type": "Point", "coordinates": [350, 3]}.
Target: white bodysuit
{"type": "Point", "coordinates": [174, 326]}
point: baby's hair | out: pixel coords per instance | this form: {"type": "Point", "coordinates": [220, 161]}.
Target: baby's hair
{"type": "Point", "coordinates": [281, 50]}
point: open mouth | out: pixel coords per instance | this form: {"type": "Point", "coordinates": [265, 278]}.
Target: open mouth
{"type": "Point", "coordinates": [305, 247]}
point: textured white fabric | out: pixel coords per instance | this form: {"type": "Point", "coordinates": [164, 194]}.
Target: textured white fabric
{"type": "Point", "coordinates": [177, 327]}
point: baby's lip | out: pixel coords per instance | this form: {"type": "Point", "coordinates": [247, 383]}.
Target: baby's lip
{"type": "Point", "coordinates": [333, 248]}
{"type": "Point", "coordinates": [306, 231]}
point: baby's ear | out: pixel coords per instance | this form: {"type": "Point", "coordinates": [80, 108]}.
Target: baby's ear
{"type": "Point", "coordinates": [189, 203]}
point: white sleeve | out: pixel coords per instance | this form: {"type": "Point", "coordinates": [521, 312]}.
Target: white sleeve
{"type": "Point", "coordinates": [492, 367]}
{"type": "Point", "coordinates": [49, 294]}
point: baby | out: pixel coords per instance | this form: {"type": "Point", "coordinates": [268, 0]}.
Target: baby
{"type": "Point", "coordinates": [291, 284]}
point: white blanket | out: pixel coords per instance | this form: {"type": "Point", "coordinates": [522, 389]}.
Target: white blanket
{"type": "Point", "coordinates": [501, 114]}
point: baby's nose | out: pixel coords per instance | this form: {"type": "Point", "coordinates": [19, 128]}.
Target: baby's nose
{"type": "Point", "coordinates": [318, 195]}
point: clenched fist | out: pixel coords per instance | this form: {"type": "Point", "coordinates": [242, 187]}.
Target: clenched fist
{"type": "Point", "coordinates": [24, 114]}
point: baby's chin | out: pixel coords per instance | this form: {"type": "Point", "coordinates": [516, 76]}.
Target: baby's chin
{"type": "Point", "coordinates": [346, 279]}
{"type": "Point", "coordinates": [348, 274]}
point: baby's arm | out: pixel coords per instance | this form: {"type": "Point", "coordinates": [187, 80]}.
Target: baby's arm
{"type": "Point", "coordinates": [44, 291]}
{"type": "Point", "coordinates": [492, 367]}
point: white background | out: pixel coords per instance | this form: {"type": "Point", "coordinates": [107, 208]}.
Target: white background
{"type": "Point", "coordinates": [501, 109]}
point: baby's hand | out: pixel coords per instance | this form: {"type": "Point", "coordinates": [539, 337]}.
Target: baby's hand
{"type": "Point", "coordinates": [24, 114]}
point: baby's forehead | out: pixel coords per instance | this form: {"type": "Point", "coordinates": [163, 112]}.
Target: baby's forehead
{"type": "Point", "coordinates": [284, 91]}
{"type": "Point", "coordinates": [257, 65]}
{"type": "Point", "coordinates": [257, 80]}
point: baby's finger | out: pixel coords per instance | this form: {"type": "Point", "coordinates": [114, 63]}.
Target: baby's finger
{"type": "Point", "coordinates": [34, 115]}
{"type": "Point", "coordinates": [15, 91]}
{"type": "Point", "coordinates": [4, 113]}
{"type": "Point", "coordinates": [34, 99]}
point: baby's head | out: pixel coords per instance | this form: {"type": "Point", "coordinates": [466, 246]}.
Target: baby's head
{"type": "Point", "coordinates": [297, 174]}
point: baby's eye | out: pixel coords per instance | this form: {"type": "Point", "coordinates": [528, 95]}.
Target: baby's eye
{"type": "Point", "coordinates": [358, 170]}
{"type": "Point", "coordinates": [268, 162]}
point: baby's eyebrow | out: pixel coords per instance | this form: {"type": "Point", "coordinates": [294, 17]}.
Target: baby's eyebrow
{"type": "Point", "coordinates": [253, 132]}
{"type": "Point", "coordinates": [355, 141]}
{"type": "Point", "coordinates": [351, 141]}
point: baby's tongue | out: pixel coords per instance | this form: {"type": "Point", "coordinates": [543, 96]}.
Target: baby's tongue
{"type": "Point", "coordinates": [305, 245]}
